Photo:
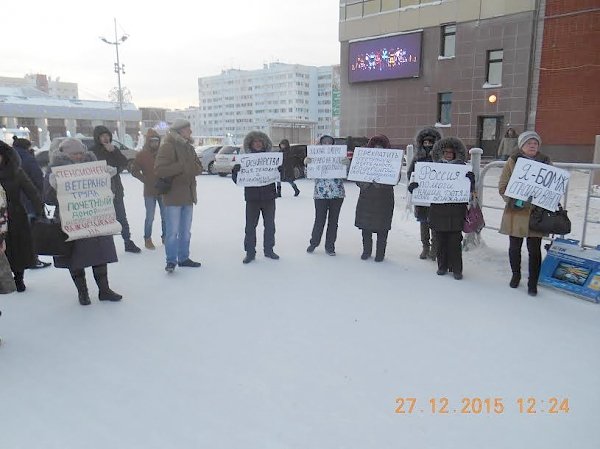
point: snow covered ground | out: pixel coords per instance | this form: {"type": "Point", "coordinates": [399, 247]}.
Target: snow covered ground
{"type": "Point", "coordinates": [310, 351]}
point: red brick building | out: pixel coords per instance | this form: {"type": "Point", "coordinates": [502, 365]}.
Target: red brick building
{"type": "Point", "coordinates": [568, 104]}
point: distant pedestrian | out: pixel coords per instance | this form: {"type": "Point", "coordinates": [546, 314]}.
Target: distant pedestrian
{"type": "Point", "coordinates": [287, 172]}
{"type": "Point", "coordinates": [508, 144]}
{"type": "Point", "coordinates": [105, 151]}
{"type": "Point", "coordinates": [177, 161]}
{"type": "Point", "coordinates": [258, 200]}
{"type": "Point", "coordinates": [7, 283]}
{"type": "Point", "coordinates": [375, 209]}
{"type": "Point", "coordinates": [328, 196]}
{"type": "Point", "coordinates": [143, 169]}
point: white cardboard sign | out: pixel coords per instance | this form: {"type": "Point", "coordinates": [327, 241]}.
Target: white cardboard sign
{"type": "Point", "coordinates": [441, 183]}
{"type": "Point", "coordinates": [259, 169]}
{"type": "Point", "coordinates": [326, 161]}
{"type": "Point", "coordinates": [543, 183]}
{"type": "Point", "coordinates": [85, 200]}
{"type": "Point", "coordinates": [381, 165]}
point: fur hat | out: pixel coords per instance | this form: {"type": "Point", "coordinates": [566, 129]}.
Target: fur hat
{"type": "Point", "coordinates": [460, 151]}
{"type": "Point", "coordinates": [525, 136]}
{"type": "Point", "coordinates": [21, 143]}
{"type": "Point", "coordinates": [326, 137]}
{"type": "Point", "coordinates": [427, 133]}
{"type": "Point", "coordinates": [179, 124]}
{"type": "Point", "coordinates": [252, 135]}
{"type": "Point", "coordinates": [379, 140]}
{"type": "Point", "coordinates": [72, 145]}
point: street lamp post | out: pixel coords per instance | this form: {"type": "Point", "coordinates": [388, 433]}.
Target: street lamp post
{"type": "Point", "coordinates": [119, 69]}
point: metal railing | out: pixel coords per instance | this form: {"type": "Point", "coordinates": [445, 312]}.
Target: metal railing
{"type": "Point", "coordinates": [481, 172]}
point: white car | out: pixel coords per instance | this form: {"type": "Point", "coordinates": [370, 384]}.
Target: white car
{"type": "Point", "coordinates": [225, 159]}
{"type": "Point", "coordinates": [207, 154]}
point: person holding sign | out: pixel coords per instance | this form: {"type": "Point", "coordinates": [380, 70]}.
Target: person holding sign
{"type": "Point", "coordinates": [258, 200]}
{"type": "Point", "coordinates": [424, 141]}
{"type": "Point", "coordinates": [375, 209]}
{"type": "Point", "coordinates": [14, 181]}
{"type": "Point", "coordinates": [515, 219]}
{"type": "Point", "coordinates": [287, 172]}
{"type": "Point", "coordinates": [95, 252]}
{"type": "Point", "coordinates": [447, 219]}
{"type": "Point", "coordinates": [328, 196]}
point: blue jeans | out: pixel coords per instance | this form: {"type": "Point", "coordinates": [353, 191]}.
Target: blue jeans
{"type": "Point", "coordinates": [178, 226]}
{"type": "Point", "coordinates": [150, 203]}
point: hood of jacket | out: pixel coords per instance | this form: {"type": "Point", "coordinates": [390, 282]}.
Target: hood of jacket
{"type": "Point", "coordinates": [98, 131]}
{"type": "Point", "coordinates": [149, 135]}
{"type": "Point", "coordinates": [449, 142]}
{"type": "Point", "coordinates": [267, 144]}
{"type": "Point", "coordinates": [58, 159]}
{"type": "Point", "coordinates": [427, 132]}
{"type": "Point", "coordinates": [379, 141]}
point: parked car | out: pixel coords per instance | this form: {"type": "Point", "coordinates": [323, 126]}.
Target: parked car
{"type": "Point", "coordinates": [207, 154]}
{"type": "Point", "coordinates": [43, 156]}
{"type": "Point", "coordinates": [225, 159]}
{"type": "Point", "coordinates": [298, 154]}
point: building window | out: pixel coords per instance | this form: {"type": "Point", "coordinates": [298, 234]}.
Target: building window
{"type": "Point", "coordinates": [448, 40]}
{"type": "Point", "coordinates": [494, 66]}
{"type": "Point", "coordinates": [444, 108]}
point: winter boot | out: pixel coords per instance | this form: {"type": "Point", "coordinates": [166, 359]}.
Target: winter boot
{"type": "Point", "coordinates": [425, 253]}
{"type": "Point", "coordinates": [20, 284]}
{"type": "Point", "coordinates": [424, 240]}
{"type": "Point", "coordinates": [249, 257]}
{"type": "Point", "coordinates": [148, 244]}
{"type": "Point", "coordinates": [131, 247]}
{"type": "Point", "coordinates": [296, 190]}
{"type": "Point", "coordinates": [380, 249]}
{"type": "Point", "coordinates": [532, 288]}
{"type": "Point", "coordinates": [101, 277]}
{"type": "Point", "coordinates": [78, 277]}
{"type": "Point", "coordinates": [367, 245]}
{"type": "Point", "coordinates": [278, 190]}
{"type": "Point", "coordinates": [515, 280]}
{"type": "Point", "coordinates": [269, 253]}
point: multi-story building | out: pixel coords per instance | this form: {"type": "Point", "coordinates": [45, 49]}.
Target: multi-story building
{"type": "Point", "coordinates": [55, 88]}
{"type": "Point", "coordinates": [472, 68]}
{"type": "Point", "coordinates": [289, 100]}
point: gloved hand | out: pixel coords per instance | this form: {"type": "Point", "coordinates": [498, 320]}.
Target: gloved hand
{"type": "Point", "coordinates": [307, 160]}
{"type": "Point", "coordinates": [280, 168]}
{"type": "Point", "coordinates": [470, 176]}
{"type": "Point", "coordinates": [112, 171]}
{"type": "Point", "coordinates": [412, 186]}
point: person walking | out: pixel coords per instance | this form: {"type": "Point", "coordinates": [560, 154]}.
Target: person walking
{"type": "Point", "coordinates": [96, 252]}
{"type": "Point", "coordinates": [19, 246]}
{"type": "Point", "coordinates": [515, 218]}
{"type": "Point", "coordinates": [375, 209]}
{"type": "Point", "coordinates": [105, 151]}
{"type": "Point", "coordinates": [287, 172]}
{"type": "Point", "coordinates": [424, 142]}
{"type": "Point", "coordinates": [143, 169]}
{"type": "Point", "coordinates": [177, 161]}
{"type": "Point", "coordinates": [258, 200]}
{"type": "Point", "coordinates": [32, 169]}
{"type": "Point", "coordinates": [508, 144]}
{"type": "Point", "coordinates": [328, 195]}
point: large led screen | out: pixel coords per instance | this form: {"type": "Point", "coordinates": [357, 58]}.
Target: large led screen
{"type": "Point", "coordinates": [385, 58]}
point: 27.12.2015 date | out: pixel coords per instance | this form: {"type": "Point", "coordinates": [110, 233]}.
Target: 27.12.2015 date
{"type": "Point", "coordinates": [478, 406]}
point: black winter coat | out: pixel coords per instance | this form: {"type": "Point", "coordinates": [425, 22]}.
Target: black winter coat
{"type": "Point", "coordinates": [85, 252]}
{"type": "Point", "coordinates": [287, 172]}
{"type": "Point", "coordinates": [19, 249]}
{"type": "Point", "coordinates": [421, 212]}
{"type": "Point", "coordinates": [375, 207]}
{"type": "Point", "coordinates": [115, 159]}
{"type": "Point", "coordinates": [32, 169]}
{"type": "Point", "coordinates": [262, 193]}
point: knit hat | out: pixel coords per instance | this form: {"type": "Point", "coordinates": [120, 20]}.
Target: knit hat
{"type": "Point", "coordinates": [72, 145]}
{"type": "Point", "coordinates": [179, 124]}
{"type": "Point", "coordinates": [20, 142]}
{"type": "Point", "coordinates": [525, 136]}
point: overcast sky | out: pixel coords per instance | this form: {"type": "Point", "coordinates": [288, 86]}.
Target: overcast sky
{"type": "Point", "coordinates": [171, 43]}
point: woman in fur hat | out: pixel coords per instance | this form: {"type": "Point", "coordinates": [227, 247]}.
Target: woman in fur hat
{"type": "Point", "coordinates": [95, 252]}
{"type": "Point", "coordinates": [375, 209]}
{"type": "Point", "coordinates": [515, 219]}
{"type": "Point", "coordinates": [424, 141]}
{"type": "Point", "coordinates": [258, 200]}
{"type": "Point", "coordinates": [447, 220]}
{"type": "Point", "coordinates": [13, 179]}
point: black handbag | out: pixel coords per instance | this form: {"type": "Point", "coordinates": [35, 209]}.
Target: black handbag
{"type": "Point", "coordinates": [547, 222]}
{"type": "Point", "coordinates": [49, 238]}
{"type": "Point", "coordinates": [163, 185]}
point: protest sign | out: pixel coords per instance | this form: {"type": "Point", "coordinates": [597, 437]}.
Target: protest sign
{"type": "Point", "coordinates": [381, 165]}
{"type": "Point", "coordinates": [543, 183]}
{"type": "Point", "coordinates": [326, 161]}
{"type": "Point", "coordinates": [441, 183]}
{"type": "Point", "coordinates": [85, 200]}
{"type": "Point", "coordinates": [259, 169]}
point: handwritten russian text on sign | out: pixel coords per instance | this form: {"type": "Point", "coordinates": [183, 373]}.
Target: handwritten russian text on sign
{"type": "Point", "coordinates": [85, 200]}
{"type": "Point", "coordinates": [543, 183]}
{"type": "Point", "coordinates": [326, 161]}
{"type": "Point", "coordinates": [441, 183]}
{"type": "Point", "coordinates": [381, 165]}
{"type": "Point", "coordinates": [259, 169]}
